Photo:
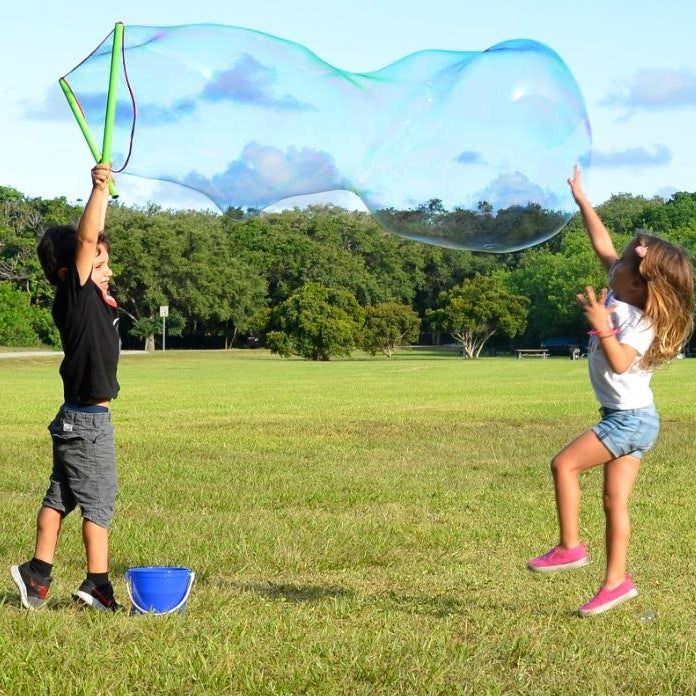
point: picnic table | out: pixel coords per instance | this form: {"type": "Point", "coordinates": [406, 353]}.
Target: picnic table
{"type": "Point", "coordinates": [532, 353]}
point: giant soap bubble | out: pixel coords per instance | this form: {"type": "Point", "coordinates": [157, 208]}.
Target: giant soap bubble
{"type": "Point", "coordinates": [464, 149]}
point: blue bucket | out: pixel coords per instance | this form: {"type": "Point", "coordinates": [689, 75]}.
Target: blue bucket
{"type": "Point", "coordinates": [159, 590]}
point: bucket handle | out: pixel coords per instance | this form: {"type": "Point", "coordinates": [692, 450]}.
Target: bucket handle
{"type": "Point", "coordinates": [192, 577]}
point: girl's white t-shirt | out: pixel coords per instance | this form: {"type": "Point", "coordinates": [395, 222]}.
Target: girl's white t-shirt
{"type": "Point", "coordinates": [630, 389]}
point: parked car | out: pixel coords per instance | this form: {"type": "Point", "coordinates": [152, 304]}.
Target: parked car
{"type": "Point", "coordinates": [563, 345]}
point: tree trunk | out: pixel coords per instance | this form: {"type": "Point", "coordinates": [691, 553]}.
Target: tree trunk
{"type": "Point", "coordinates": [150, 343]}
{"type": "Point", "coordinates": [472, 344]}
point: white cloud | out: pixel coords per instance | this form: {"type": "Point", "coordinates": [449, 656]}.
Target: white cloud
{"type": "Point", "coordinates": [667, 192]}
{"type": "Point", "coordinates": [341, 199]}
{"type": "Point", "coordinates": [265, 175]}
{"type": "Point", "coordinates": [53, 107]}
{"type": "Point", "coordinates": [516, 189]}
{"type": "Point", "coordinates": [656, 88]}
{"type": "Point", "coordinates": [251, 82]}
{"type": "Point", "coordinates": [470, 157]}
{"type": "Point", "coordinates": [657, 156]}
{"type": "Point", "coordinates": [139, 191]}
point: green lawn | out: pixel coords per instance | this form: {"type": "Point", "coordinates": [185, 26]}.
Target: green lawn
{"type": "Point", "coordinates": [356, 527]}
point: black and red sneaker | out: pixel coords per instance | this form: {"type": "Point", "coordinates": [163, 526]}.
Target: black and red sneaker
{"type": "Point", "coordinates": [100, 598]}
{"type": "Point", "coordinates": [33, 588]}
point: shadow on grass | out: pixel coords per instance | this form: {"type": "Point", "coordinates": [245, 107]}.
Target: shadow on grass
{"type": "Point", "coordinates": [12, 599]}
{"type": "Point", "coordinates": [119, 568]}
{"type": "Point", "coordinates": [444, 605]}
{"type": "Point", "coordinates": [66, 602]}
{"type": "Point", "coordinates": [291, 592]}
{"type": "Point", "coordinates": [438, 606]}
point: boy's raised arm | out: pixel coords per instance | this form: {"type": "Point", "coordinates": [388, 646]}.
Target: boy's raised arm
{"type": "Point", "coordinates": [599, 236]}
{"type": "Point", "coordinates": [92, 222]}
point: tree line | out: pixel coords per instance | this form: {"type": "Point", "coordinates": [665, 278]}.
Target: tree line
{"type": "Point", "coordinates": [320, 281]}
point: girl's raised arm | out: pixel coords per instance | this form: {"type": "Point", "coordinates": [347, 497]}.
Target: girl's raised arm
{"type": "Point", "coordinates": [599, 236]}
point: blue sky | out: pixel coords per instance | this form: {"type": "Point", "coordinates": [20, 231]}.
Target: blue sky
{"type": "Point", "coordinates": [634, 62]}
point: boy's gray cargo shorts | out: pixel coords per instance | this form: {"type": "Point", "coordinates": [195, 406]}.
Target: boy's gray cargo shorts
{"type": "Point", "coordinates": [84, 465]}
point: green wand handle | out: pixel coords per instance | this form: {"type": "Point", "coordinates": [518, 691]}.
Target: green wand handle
{"type": "Point", "coordinates": [79, 117]}
{"type": "Point", "coordinates": [111, 96]}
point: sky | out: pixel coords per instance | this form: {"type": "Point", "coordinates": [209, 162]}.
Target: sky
{"type": "Point", "coordinates": [635, 64]}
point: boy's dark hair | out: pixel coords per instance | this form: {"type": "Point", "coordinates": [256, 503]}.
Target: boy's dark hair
{"type": "Point", "coordinates": [57, 250]}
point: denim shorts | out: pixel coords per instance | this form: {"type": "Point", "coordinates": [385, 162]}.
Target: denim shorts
{"type": "Point", "coordinates": [84, 465]}
{"type": "Point", "coordinates": [631, 431]}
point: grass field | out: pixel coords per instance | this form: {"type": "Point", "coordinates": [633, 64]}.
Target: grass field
{"type": "Point", "coordinates": [357, 527]}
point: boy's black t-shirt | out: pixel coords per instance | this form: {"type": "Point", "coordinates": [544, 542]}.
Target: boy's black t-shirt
{"type": "Point", "coordinates": [91, 343]}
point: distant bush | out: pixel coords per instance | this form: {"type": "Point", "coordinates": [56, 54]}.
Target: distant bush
{"type": "Point", "coordinates": [22, 324]}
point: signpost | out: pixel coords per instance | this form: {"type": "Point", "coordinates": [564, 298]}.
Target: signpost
{"type": "Point", "coordinates": [164, 313]}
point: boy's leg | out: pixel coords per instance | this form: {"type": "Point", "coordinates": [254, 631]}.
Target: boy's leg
{"type": "Point", "coordinates": [96, 540]}
{"type": "Point", "coordinates": [619, 477]}
{"type": "Point", "coordinates": [96, 494]}
{"type": "Point", "coordinates": [585, 452]}
{"type": "Point", "coordinates": [33, 578]}
{"type": "Point", "coordinates": [48, 523]}
{"type": "Point", "coordinates": [96, 591]}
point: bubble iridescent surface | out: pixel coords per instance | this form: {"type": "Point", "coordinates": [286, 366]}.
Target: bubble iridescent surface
{"type": "Point", "coordinates": [465, 149]}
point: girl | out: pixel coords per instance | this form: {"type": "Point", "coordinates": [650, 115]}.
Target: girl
{"type": "Point", "coordinates": [642, 322]}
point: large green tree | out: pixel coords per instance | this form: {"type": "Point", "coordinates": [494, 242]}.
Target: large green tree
{"type": "Point", "coordinates": [22, 222]}
{"type": "Point", "coordinates": [187, 262]}
{"type": "Point", "coordinates": [315, 322]}
{"type": "Point", "coordinates": [551, 282]}
{"type": "Point", "coordinates": [479, 308]}
{"type": "Point", "coordinates": [24, 324]}
{"type": "Point", "coordinates": [389, 325]}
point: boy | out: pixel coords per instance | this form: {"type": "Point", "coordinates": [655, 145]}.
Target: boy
{"type": "Point", "coordinates": [76, 262]}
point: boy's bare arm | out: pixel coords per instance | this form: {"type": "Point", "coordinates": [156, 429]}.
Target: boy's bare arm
{"type": "Point", "coordinates": [599, 236]}
{"type": "Point", "coordinates": [92, 222]}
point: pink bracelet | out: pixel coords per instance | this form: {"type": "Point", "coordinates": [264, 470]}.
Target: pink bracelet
{"type": "Point", "coordinates": [599, 334]}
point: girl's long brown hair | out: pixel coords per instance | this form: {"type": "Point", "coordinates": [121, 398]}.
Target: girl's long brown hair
{"type": "Point", "coordinates": [669, 279]}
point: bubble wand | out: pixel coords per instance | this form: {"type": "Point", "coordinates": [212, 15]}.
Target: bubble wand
{"type": "Point", "coordinates": [105, 155]}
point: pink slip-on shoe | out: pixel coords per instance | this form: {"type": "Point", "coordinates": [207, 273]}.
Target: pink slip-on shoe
{"type": "Point", "coordinates": [608, 599]}
{"type": "Point", "coordinates": [560, 559]}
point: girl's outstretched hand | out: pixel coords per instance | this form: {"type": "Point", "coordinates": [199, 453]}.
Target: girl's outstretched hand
{"type": "Point", "coordinates": [575, 184]}
{"type": "Point", "coordinates": [595, 309]}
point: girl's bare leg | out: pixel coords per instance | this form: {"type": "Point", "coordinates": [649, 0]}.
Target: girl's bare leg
{"type": "Point", "coordinates": [585, 452]}
{"type": "Point", "coordinates": [619, 476]}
